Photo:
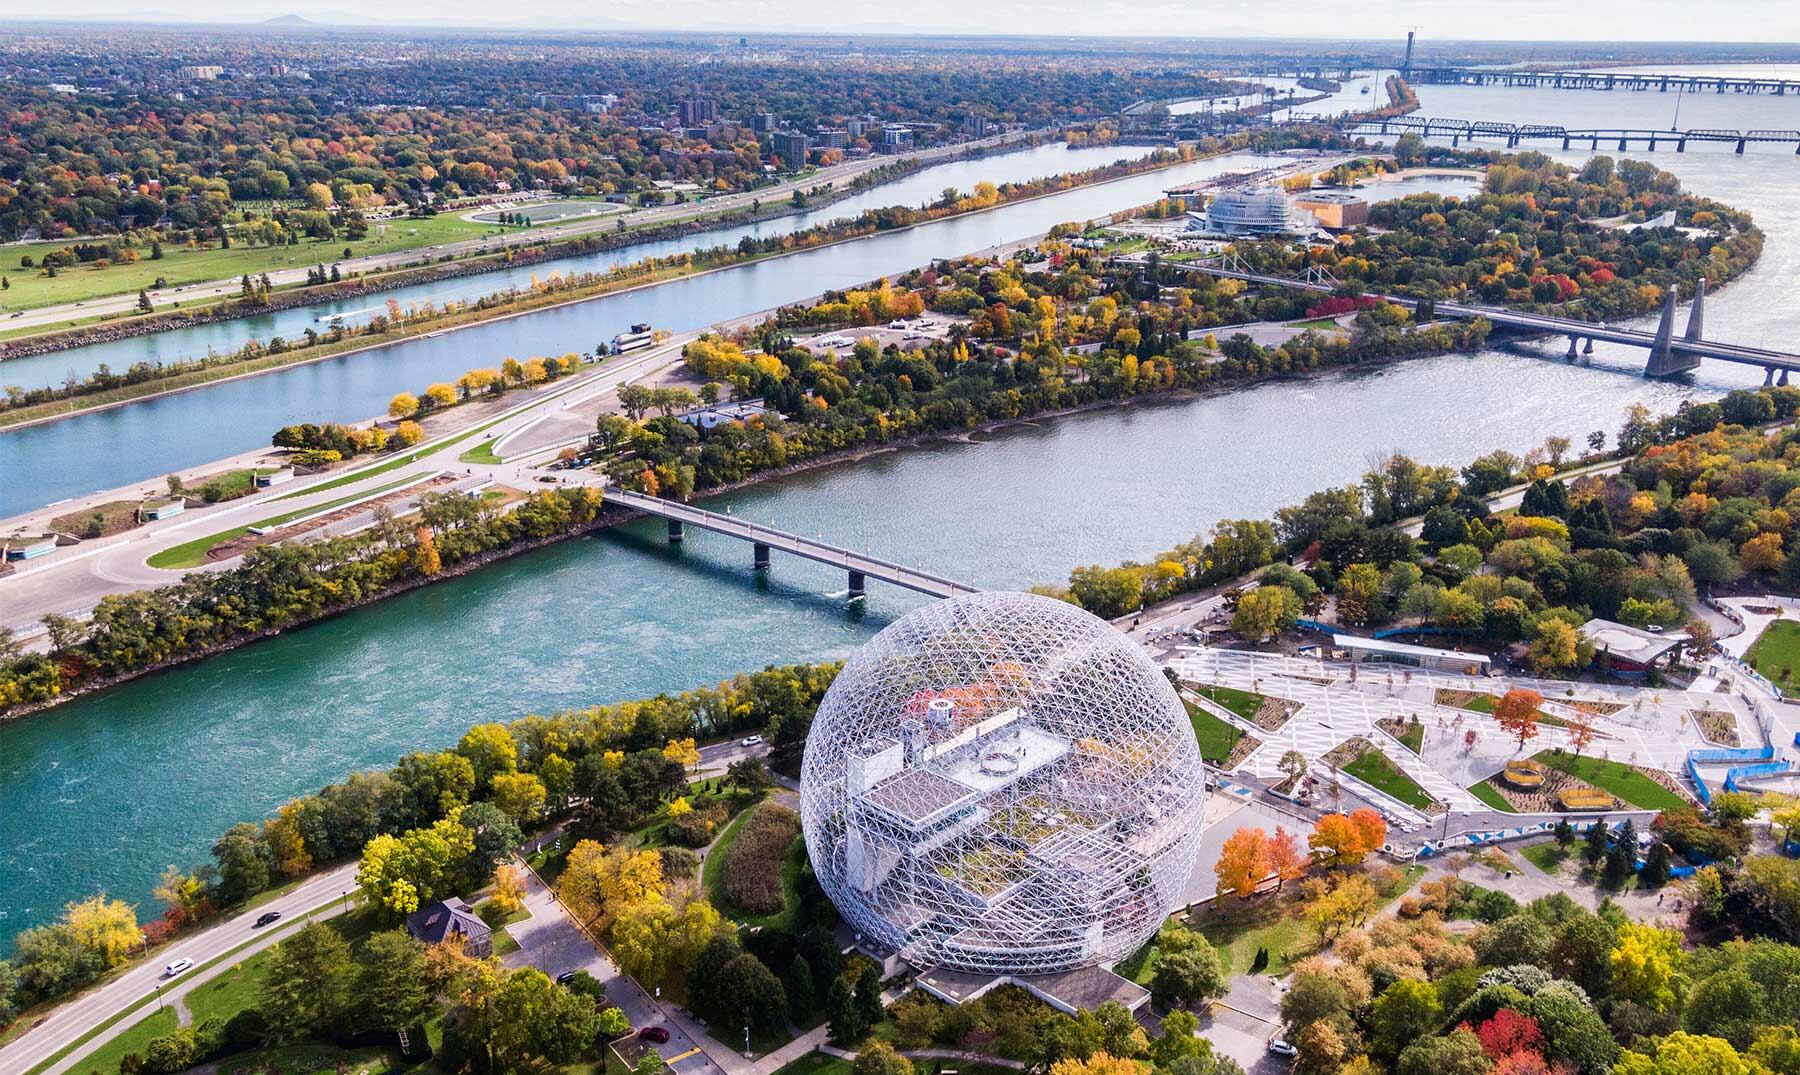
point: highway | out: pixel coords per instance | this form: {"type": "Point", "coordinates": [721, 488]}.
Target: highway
{"type": "Point", "coordinates": [324, 894]}
{"type": "Point", "coordinates": [835, 176]}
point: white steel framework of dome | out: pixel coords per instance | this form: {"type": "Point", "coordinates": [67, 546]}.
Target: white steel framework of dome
{"type": "Point", "coordinates": [1003, 784]}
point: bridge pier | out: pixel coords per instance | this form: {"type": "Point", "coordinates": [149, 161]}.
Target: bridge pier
{"type": "Point", "coordinates": [1768, 376]}
{"type": "Point", "coordinates": [1653, 141]}
{"type": "Point", "coordinates": [1697, 313]}
{"type": "Point", "coordinates": [858, 586]}
{"type": "Point", "coordinates": [675, 532]}
{"type": "Point", "coordinates": [1565, 143]}
{"type": "Point", "coordinates": [1588, 348]}
{"type": "Point", "coordinates": [1574, 341]}
{"type": "Point", "coordinates": [759, 556]}
{"type": "Point", "coordinates": [1740, 146]}
{"type": "Point", "coordinates": [1782, 380]}
{"type": "Point", "coordinates": [1663, 358]}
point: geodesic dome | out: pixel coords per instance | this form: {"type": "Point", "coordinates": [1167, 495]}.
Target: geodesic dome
{"type": "Point", "coordinates": [1002, 783]}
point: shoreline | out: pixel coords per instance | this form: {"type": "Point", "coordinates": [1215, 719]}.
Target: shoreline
{"type": "Point", "coordinates": [611, 516]}
{"type": "Point", "coordinates": [301, 360]}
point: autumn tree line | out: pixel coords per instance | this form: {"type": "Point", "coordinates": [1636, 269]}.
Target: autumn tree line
{"type": "Point", "coordinates": [441, 823]}
{"type": "Point", "coordinates": [276, 586]}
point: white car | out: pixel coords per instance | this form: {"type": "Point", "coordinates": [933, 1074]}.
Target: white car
{"type": "Point", "coordinates": [913, 336]}
{"type": "Point", "coordinates": [177, 967]}
{"type": "Point", "coordinates": [750, 740]}
{"type": "Point", "coordinates": [1282, 1048]}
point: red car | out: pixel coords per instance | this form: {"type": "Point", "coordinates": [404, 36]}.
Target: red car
{"type": "Point", "coordinates": [656, 1034]}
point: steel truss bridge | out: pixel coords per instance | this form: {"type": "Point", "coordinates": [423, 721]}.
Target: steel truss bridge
{"type": "Point", "coordinates": [1601, 80]}
{"type": "Point", "coordinates": [1517, 134]}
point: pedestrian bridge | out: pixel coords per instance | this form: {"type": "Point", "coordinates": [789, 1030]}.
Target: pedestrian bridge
{"type": "Point", "coordinates": [764, 540]}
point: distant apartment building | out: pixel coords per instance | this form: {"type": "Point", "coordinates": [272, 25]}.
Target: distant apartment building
{"type": "Point", "coordinates": [698, 110]}
{"type": "Point", "coordinates": [857, 128]}
{"type": "Point", "coordinates": [975, 126]}
{"type": "Point", "coordinates": [592, 103]}
{"type": "Point", "coordinates": [201, 73]}
{"type": "Point", "coordinates": [831, 138]}
{"type": "Point", "coordinates": [896, 139]}
{"type": "Point", "coordinates": [790, 148]}
{"type": "Point", "coordinates": [762, 122]}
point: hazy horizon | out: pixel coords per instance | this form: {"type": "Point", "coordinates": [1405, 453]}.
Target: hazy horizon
{"type": "Point", "coordinates": [1648, 21]}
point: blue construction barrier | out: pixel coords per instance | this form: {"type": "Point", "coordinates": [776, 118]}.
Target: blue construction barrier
{"type": "Point", "coordinates": [1392, 631]}
{"type": "Point", "coordinates": [1696, 758]}
{"type": "Point", "coordinates": [1752, 772]}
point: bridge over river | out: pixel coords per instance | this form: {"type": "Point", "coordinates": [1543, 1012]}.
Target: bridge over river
{"type": "Point", "coordinates": [763, 540]}
{"type": "Point", "coordinates": [1600, 80]}
{"type": "Point", "coordinates": [1669, 353]}
{"type": "Point", "coordinates": [1518, 134]}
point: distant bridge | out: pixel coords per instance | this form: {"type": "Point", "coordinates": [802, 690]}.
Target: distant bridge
{"type": "Point", "coordinates": [1517, 134]}
{"type": "Point", "coordinates": [860, 567]}
{"type": "Point", "coordinates": [1669, 353]}
{"type": "Point", "coordinates": [1601, 80]}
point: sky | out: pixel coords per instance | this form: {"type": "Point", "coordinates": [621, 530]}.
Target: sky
{"type": "Point", "coordinates": [1596, 20]}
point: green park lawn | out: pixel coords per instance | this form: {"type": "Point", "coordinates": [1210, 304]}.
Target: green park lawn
{"type": "Point", "coordinates": [1216, 737]}
{"type": "Point", "coordinates": [1490, 795]}
{"type": "Point", "coordinates": [1243, 703]}
{"type": "Point", "coordinates": [816, 1064]}
{"type": "Point", "coordinates": [1547, 856]}
{"type": "Point", "coordinates": [1412, 737]}
{"type": "Point", "coordinates": [1776, 654]}
{"type": "Point", "coordinates": [81, 283]}
{"type": "Point", "coordinates": [1374, 768]}
{"type": "Point", "coordinates": [193, 553]}
{"type": "Point", "coordinates": [133, 1039]}
{"type": "Point", "coordinates": [1618, 778]}
{"type": "Point", "coordinates": [712, 880]}
{"type": "Point", "coordinates": [1314, 322]}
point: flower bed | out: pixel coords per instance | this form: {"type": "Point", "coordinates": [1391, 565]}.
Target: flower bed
{"type": "Point", "coordinates": [1716, 726]}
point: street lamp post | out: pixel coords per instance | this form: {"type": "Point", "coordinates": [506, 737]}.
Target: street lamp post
{"type": "Point", "coordinates": [747, 1053]}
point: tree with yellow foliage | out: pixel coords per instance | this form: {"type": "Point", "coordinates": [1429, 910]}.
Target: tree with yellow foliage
{"type": "Point", "coordinates": [1101, 1063]}
{"type": "Point", "coordinates": [655, 943]}
{"type": "Point", "coordinates": [1644, 963]}
{"type": "Point", "coordinates": [403, 405]}
{"type": "Point", "coordinates": [509, 889]}
{"type": "Point", "coordinates": [441, 395]}
{"type": "Point", "coordinates": [282, 834]}
{"type": "Point", "coordinates": [106, 927]}
{"type": "Point", "coordinates": [425, 553]}
{"type": "Point", "coordinates": [682, 752]}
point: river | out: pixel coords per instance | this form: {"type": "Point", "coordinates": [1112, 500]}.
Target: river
{"type": "Point", "coordinates": [102, 792]}
{"type": "Point", "coordinates": [103, 449]}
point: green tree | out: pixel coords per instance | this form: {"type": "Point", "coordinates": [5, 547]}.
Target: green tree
{"type": "Point", "coordinates": [879, 1058]}
{"type": "Point", "coordinates": [306, 991]}
{"type": "Point", "coordinates": [1457, 1053]}
{"type": "Point", "coordinates": [1188, 973]}
{"type": "Point", "coordinates": [393, 986]}
{"type": "Point", "coordinates": [1406, 1011]}
{"type": "Point", "coordinates": [847, 1024]}
{"type": "Point", "coordinates": [1729, 1005]}
{"type": "Point", "coordinates": [801, 995]}
{"type": "Point", "coordinates": [1265, 612]}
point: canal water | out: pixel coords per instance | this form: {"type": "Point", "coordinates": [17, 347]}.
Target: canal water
{"type": "Point", "coordinates": [103, 449]}
{"type": "Point", "coordinates": [918, 189]}
{"type": "Point", "coordinates": [100, 794]}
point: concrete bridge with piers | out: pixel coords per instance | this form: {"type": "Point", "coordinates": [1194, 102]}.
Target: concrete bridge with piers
{"type": "Point", "coordinates": [1669, 353]}
{"type": "Point", "coordinates": [764, 540]}
{"type": "Point", "coordinates": [1514, 135]}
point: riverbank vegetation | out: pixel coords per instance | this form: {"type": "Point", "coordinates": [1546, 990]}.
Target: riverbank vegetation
{"type": "Point", "coordinates": [1540, 236]}
{"type": "Point", "coordinates": [277, 586]}
{"type": "Point", "coordinates": [1702, 497]}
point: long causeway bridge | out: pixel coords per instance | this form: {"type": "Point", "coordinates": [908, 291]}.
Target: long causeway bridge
{"type": "Point", "coordinates": [763, 540]}
{"type": "Point", "coordinates": [1669, 353]}
{"type": "Point", "coordinates": [1517, 134]}
{"type": "Point", "coordinates": [1602, 80]}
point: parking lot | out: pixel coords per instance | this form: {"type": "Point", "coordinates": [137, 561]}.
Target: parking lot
{"type": "Point", "coordinates": [908, 335]}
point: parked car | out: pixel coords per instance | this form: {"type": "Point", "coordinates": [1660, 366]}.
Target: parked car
{"type": "Point", "coordinates": [1278, 1047]}
{"type": "Point", "coordinates": [177, 966]}
{"type": "Point", "coordinates": [749, 740]}
{"type": "Point", "coordinates": [267, 917]}
{"type": "Point", "coordinates": [655, 1034]}
{"type": "Point", "coordinates": [565, 977]}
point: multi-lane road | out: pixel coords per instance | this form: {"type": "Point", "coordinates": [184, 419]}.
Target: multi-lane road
{"type": "Point", "coordinates": [834, 177]}
{"type": "Point", "coordinates": [136, 991]}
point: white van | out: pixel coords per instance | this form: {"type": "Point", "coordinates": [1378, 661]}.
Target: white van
{"type": "Point", "coordinates": [177, 967]}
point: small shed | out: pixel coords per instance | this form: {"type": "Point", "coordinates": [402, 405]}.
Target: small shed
{"type": "Point", "coordinates": [443, 921]}
{"type": "Point", "coordinates": [277, 476]}
{"type": "Point", "coordinates": [164, 509]}
{"type": "Point", "coordinates": [30, 548]}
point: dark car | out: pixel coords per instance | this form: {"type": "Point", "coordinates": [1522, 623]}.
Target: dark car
{"type": "Point", "coordinates": [655, 1034]}
{"type": "Point", "coordinates": [267, 917]}
{"type": "Point", "coordinates": [566, 977]}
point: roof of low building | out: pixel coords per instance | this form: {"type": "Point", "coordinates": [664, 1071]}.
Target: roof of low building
{"type": "Point", "coordinates": [1631, 643]}
{"type": "Point", "coordinates": [441, 919]}
{"type": "Point", "coordinates": [1383, 645]}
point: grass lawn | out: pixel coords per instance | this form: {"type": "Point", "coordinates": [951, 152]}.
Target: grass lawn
{"type": "Point", "coordinates": [311, 1058]}
{"type": "Point", "coordinates": [481, 453]}
{"type": "Point", "coordinates": [229, 993]}
{"type": "Point", "coordinates": [134, 1039]}
{"type": "Point", "coordinates": [1412, 737]}
{"type": "Point", "coordinates": [1489, 794]}
{"type": "Point", "coordinates": [1216, 737]}
{"type": "Point", "coordinates": [1546, 856]}
{"type": "Point", "coordinates": [1485, 703]}
{"type": "Point", "coordinates": [116, 516]}
{"type": "Point", "coordinates": [1315, 322]}
{"type": "Point", "coordinates": [1616, 777]}
{"type": "Point", "coordinates": [193, 553]}
{"type": "Point", "coordinates": [1374, 768]}
{"type": "Point", "coordinates": [1776, 654]}
{"type": "Point", "coordinates": [179, 265]}
{"type": "Point", "coordinates": [816, 1064]}
{"type": "Point", "coordinates": [1243, 703]}
{"type": "Point", "coordinates": [1239, 931]}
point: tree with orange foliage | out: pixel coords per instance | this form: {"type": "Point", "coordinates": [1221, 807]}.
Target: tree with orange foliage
{"type": "Point", "coordinates": [1517, 712]}
{"type": "Point", "coordinates": [1581, 735]}
{"type": "Point", "coordinates": [1286, 859]}
{"type": "Point", "coordinates": [1244, 862]}
{"type": "Point", "coordinates": [1349, 837]}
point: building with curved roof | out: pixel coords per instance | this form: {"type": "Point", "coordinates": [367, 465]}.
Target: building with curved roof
{"type": "Point", "coordinates": [1246, 212]}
